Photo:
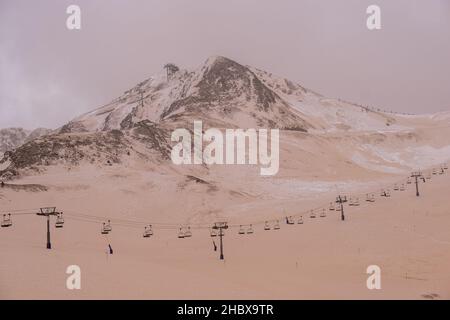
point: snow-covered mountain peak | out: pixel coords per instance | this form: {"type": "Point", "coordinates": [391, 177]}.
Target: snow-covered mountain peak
{"type": "Point", "coordinates": [220, 89]}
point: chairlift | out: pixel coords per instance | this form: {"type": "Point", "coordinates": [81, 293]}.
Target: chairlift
{"type": "Point", "coordinates": [276, 226]}
{"type": "Point", "coordinates": [241, 230]}
{"type": "Point", "coordinates": [300, 220]}
{"type": "Point", "coordinates": [350, 202]}
{"type": "Point", "coordinates": [250, 230]}
{"type": "Point", "coordinates": [445, 166]}
{"type": "Point", "coordinates": [6, 221]}
{"type": "Point", "coordinates": [312, 214]}
{"type": "Point", "coordinates": [323, 214]}
{"type": "Point", "coordinates": [181, 233]}
{"type": "Point", "coordinates": [104, 229]}
{"type": "Point", "coordinates": [213, 232]}
{"type": "Point", "coordinates": [396, 188]}
{"type": "Point", "coordinates": [332, 208]}
{"type": "Point", "coordinates": [188, 233]}
{"type": "Point", "coordinates": [387, 193]}
{"type": "Point", "coordinates": [370, 197]}
{"type": "Point", "coordinates": [441, 171]}
{"type": "Point", "coordinates": [148, 232]}
{"type": "Point", "coordinates": [108, 226]}
{"type": "Point", "coordinates": [266, 226]}
{"type": "Point", "coordinates": [408, 181]}
{"type": "Point", "coordinates": [289, 220]}
{"type": "Point", "coordinates": [402, 187]}
{"type": "Point", "coordinates": [59, 221]}
{"type": "Point", "coordinates": [356, 202]}
{"type": "Point", "coordinates": [434, 171]}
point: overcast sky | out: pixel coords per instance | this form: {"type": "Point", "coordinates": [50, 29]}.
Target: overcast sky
{"type": "Point", "coordinates": [49, 74]}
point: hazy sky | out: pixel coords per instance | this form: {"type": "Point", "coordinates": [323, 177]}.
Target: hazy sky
{"type": "Point", "coordinates": [49, 74]}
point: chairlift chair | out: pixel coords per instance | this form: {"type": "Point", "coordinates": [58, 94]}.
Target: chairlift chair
{"type": "Point", "coordinates": [276, 226]}
{"type": "Point", "coordinates": [323, 214]}
{"type": "Point", "coordinates": [396, 188]}
{"type": "Point", "coordinates": [6, 221]}
{"type": "Point", "coordinates": [104, 229]}
{"type": "Point", "coordinates": [289, 220]}
{"type": "Point", "coordinates": [350, 202]}
{"type": "Point", "coordinates": [428, 177]}
{"type": "Point", "coordinates": [332, 208]}
{"type": "Point", "coordinates": [408, 181]}
{"type": "Point", "coordinates": [402, 187]}
{"type": "Point", "coordinates": [241, 230]}
{"type": "Point", "coordinates": [266, 226]}
{"type": "Point", "coordinates": [388, 193]}
{"type": "Point", "coordinates": [188, 233]}
{"type": "Point", "coordinates": [300, 220]}
{"type": "Point", "coordinates": [250, 230]}
{"type": "Point", "coordinates": [445, 166]}
{"type": "Point", "coordinates": [356, 202]}
{"type": "Point", "coordinates": [213, 232]}
{"type": "Point", "coordinates": [312, 215]}
{"type": "Point", "coordinates": [147, 232]}
{"type": "Point", "coordinates": [181, 233]}
{"type": "Point", "coordinates": [107, 226]}
{"type": "Point", "coordinates": [434, 171]}
{"type": "Point", "coordinates": [59, 221]}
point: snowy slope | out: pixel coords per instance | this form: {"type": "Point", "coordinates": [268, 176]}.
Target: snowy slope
{"type": "Point", "coordinates": [330, 114]}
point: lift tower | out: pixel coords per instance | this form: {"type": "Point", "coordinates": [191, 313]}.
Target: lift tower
{"type": "Point", "coordinates": [417, 176]}
{"type": "Point", "coordinates": [341, 200]}
{"type": "Point", "coordinates": [221, 226]}
{"type": "Point", "coordinates": [47, 212]}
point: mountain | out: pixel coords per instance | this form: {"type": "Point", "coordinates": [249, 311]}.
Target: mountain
{"type": "Point", "coordinates": [11, 138]}
{"type": "Point", "coordinates": [135, 127]}
{"type": "Point", "coordinates": [222, 93]}
{"type": "Point", "coordinates": [225, 93]}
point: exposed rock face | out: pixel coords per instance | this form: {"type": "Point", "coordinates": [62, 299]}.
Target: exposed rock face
{"type": "Point", "coordinates": [72, 149]}
{"type": "Point", "coordinates": [228, 94]}
{"type": "Point", "coordinates": [12, 138]}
